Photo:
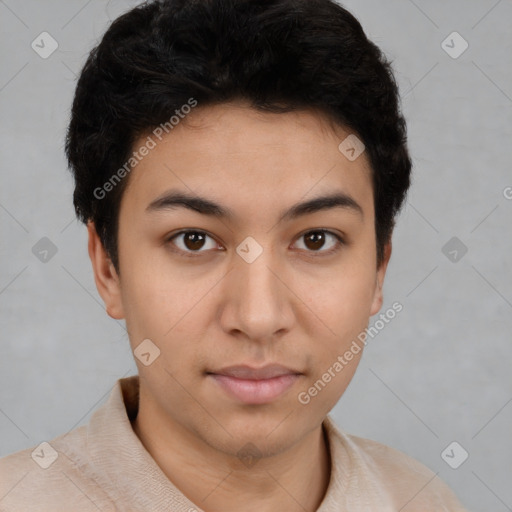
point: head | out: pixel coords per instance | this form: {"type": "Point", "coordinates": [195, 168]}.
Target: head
{"type": "Point", "coordinates": [227, 222]}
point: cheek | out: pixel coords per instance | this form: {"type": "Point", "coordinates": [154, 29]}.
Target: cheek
{"type": "Point", "coordinates": [151, 306]}
{"type": "Point", "coordinates": [157, 312]}
{"type": "Point", "coordinates": [165, 305]}
{"type": "Point", "coordinates": [148, 300]}
{"type": "Point", "coordinates": [343, 299]}
{"type": "Point", "coordinates": [344, 313]}
{"type": "Point", "coordinates": [343, 305]}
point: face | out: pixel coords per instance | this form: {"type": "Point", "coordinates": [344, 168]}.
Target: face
{"type": "Point", "coordinates": [249, 294]}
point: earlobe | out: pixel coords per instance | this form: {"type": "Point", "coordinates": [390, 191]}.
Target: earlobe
{"type": "Point", "coordinates": [105, 275]}
{"type": "Point", "coordinates": [379, 280]}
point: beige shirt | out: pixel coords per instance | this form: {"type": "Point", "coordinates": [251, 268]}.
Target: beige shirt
{"type": "Point", "coordinates": [103, 466]}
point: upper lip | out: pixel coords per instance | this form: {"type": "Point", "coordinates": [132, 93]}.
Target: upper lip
{"type": "Point", "coordinates": [250, 373]}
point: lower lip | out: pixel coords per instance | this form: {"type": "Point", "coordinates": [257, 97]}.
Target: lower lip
{"type": "Point", "coordinates": [256, 391]}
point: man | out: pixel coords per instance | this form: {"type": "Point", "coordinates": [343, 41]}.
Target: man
{"type": "Point", "coordinates": [239, 165]}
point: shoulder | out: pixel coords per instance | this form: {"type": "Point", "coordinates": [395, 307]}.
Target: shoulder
{"type": "Point", "coordinates": [410, 485]}
{"type": "Point", "coordinates": [51, 476]}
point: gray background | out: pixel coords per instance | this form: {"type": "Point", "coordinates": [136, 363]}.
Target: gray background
{"type": "Point", "coordinates": [439, 372]}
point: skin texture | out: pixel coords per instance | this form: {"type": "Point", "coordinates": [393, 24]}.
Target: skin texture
{"type": "Point", "coordinates": [294, 305]}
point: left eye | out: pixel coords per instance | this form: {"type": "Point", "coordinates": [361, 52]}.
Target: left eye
{"type": "Point", "coordinates": [316, 240]}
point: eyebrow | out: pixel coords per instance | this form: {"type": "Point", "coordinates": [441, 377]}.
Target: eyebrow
{"type": "Point", "coordinates": [175, 199]}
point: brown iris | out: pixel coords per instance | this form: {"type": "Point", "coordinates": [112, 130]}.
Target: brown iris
{"type": "Point", "coordinates": [193, 240]}
{"type": "Point", "coordinates": [314, 240]}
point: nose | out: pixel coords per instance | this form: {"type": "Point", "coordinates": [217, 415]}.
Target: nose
{"type": "Point", "coordinates": [258, 303]}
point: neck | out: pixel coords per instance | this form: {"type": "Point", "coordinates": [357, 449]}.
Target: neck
{"type": "Point", "coordinates": [295, 480]}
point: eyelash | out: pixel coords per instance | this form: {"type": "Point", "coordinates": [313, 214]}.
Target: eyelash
{"type": "Point", "coordinates": [195, 254]}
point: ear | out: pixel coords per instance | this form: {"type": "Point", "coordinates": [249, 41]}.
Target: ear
{"type": "Point", "coordinates": [105, 275]}
{"type": "Point", "coordinates": [381, 273]}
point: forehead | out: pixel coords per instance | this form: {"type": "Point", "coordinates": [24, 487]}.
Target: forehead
{"type": "Point", "coordinates": [242, 155]}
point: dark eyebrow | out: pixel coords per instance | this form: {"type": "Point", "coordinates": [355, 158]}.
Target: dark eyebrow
{"type": "Point", "coordinates": [176, 198]}
{"type": "Point", "coordinates": [335, 200]}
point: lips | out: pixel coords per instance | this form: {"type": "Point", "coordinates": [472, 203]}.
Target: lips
{"type": "Point", "coordinates": [255, 385]}
{"type": "Point", "coordinates": [249, 373]}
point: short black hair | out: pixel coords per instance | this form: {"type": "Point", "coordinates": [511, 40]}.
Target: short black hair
{"type": "Point", "coordinates": [280, 55]}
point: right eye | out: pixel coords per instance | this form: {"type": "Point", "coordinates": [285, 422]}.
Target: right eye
{"type": "Point", "coordinates": [190, 242]}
